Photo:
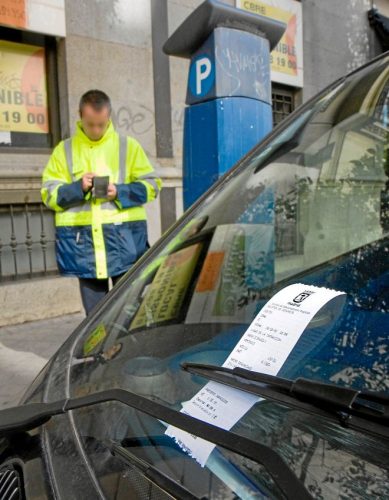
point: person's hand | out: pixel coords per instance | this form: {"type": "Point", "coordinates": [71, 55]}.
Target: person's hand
{"type": "Point", "coordinates": [87, 181]}
{"type": "Point", "coordinates": [112, 192]}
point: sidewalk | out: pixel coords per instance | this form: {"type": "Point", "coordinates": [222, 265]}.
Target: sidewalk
{"type": "Point", "coordinates": [25, 349]}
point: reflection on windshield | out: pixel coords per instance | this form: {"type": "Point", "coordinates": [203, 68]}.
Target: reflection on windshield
{"type": "Point", "coordinates": [311, 207]}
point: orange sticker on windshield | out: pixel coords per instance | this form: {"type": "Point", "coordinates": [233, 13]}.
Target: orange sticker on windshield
{"type": "Point", "coordinates": [210, 272]}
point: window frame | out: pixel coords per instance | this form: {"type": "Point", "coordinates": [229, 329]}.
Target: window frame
{"type": "Point", "coordinates": [49, 43]}
{"type": "Point", "coordinates": [282, 91]}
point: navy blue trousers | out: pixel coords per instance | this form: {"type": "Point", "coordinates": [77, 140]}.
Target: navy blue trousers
{"type": "Point", "coordinates": [93, 290]}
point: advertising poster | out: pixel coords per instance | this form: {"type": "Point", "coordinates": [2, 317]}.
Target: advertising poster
{"type": "Point", "coordinates": [13, 13]}
{"type": "Point", "coordinates": [287, 57]}
{"type": "Point", "coordinates": [23, 92]}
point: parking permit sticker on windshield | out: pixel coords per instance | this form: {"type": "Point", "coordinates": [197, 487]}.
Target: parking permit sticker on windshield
{"type": "Point", "coordinates": [264, 348]}
{"type": "Point", "coordinates": [94, 339]}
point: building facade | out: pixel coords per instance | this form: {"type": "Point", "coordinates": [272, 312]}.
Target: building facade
{"type": "Point", "coordinates": [52, 51]}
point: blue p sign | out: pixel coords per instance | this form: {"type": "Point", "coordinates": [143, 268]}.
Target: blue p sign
{"type": "Point", "coordinates": [201, 75]}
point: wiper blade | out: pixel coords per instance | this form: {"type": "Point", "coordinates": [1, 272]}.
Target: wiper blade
{"type": "Point", "coordinates": [30, 416]}
{"type": "Point", "coordinates": [154, 475]}
{"type": "Point", "coordinates": [360, 410]}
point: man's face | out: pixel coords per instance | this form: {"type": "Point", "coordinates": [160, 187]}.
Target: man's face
{"type": "Point", "coordinates": [94, 123]}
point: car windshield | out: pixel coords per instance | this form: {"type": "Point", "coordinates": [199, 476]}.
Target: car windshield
{"type": "Point", "coordinates": [310, 205]}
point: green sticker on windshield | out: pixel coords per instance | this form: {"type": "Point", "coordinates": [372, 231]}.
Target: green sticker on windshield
{"type": "Point", "coordinates": [94, 339]}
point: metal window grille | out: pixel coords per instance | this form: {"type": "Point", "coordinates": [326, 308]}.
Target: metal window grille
{"type": "Point", "coordinates": [27, 242]}
{"type": "Point", "coordinates": [287, 240]}
{"type": "Point", "coordinates": [287, 237]}
{"type": "Point", "coordinates": [283, 104]}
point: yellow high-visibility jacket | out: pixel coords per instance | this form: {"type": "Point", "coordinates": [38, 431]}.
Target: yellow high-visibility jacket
{"type": "Point", "coordinates": [97, 238]}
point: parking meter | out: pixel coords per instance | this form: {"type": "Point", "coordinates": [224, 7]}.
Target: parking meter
{"type": "Point", "coordinates": [229, 90]}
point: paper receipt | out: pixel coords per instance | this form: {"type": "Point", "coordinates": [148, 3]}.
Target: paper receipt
{"type": "Point", "coordinates": [264, 348]}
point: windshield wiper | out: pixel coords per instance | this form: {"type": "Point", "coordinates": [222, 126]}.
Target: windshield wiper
{"type": "Point", "coordinates": [360, 410]}
{"type": "Point", "coordinates": [152, 474]}
{"type": "Point", "coordinates": [29, 416]}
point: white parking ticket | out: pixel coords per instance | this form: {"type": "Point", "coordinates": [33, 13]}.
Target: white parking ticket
{"type": "Point", "coordinates": [264, 348]}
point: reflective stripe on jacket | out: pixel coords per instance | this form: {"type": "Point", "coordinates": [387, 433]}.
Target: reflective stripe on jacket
{"type": "Point", "coordinates": [97, 238]}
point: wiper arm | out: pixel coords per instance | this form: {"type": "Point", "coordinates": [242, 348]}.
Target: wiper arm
{"type": "Point", "coordinates": [154, 475]}
{"type": "Point", "coordinates": [360, 410]}
{"type": "Point", "coordinates": [30, 416]}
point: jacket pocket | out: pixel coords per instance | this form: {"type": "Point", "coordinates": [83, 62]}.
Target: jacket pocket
{"type": "Point", "coordinates": [127, 247]}
{"type": "Point", "coordinates": [74, 250]}
{"type": "Point", "coordinates": [124, 244]}
{"type": "Point", "coordinates": [140, 238]}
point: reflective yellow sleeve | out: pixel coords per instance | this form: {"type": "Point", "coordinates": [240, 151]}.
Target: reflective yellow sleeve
{"type": "Point", "coordinates": [54, 176]}
{"type": "Point", "coordinates": [141, 170]}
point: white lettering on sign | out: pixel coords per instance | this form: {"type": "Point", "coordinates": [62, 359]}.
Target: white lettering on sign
{"type": "Point", "coordinates": [203, 70]}
{"type": "Point", "coordinates": [263, 348]}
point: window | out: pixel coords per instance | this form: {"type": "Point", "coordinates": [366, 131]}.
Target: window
{"type": "Point", "coordinates": [283, 103]}
{"type": "Point", "coordinates": [28, 91]}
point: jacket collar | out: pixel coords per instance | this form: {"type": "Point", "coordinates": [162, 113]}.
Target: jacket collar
{"type": "Point", "coordinates": [81, 134]}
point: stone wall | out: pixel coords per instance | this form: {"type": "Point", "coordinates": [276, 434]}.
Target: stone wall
{"type": "Point", "coordinates": [337, 39]}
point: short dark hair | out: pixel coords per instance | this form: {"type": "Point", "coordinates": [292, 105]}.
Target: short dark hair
{"type": "Point", "coordinates": [95, 98]}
